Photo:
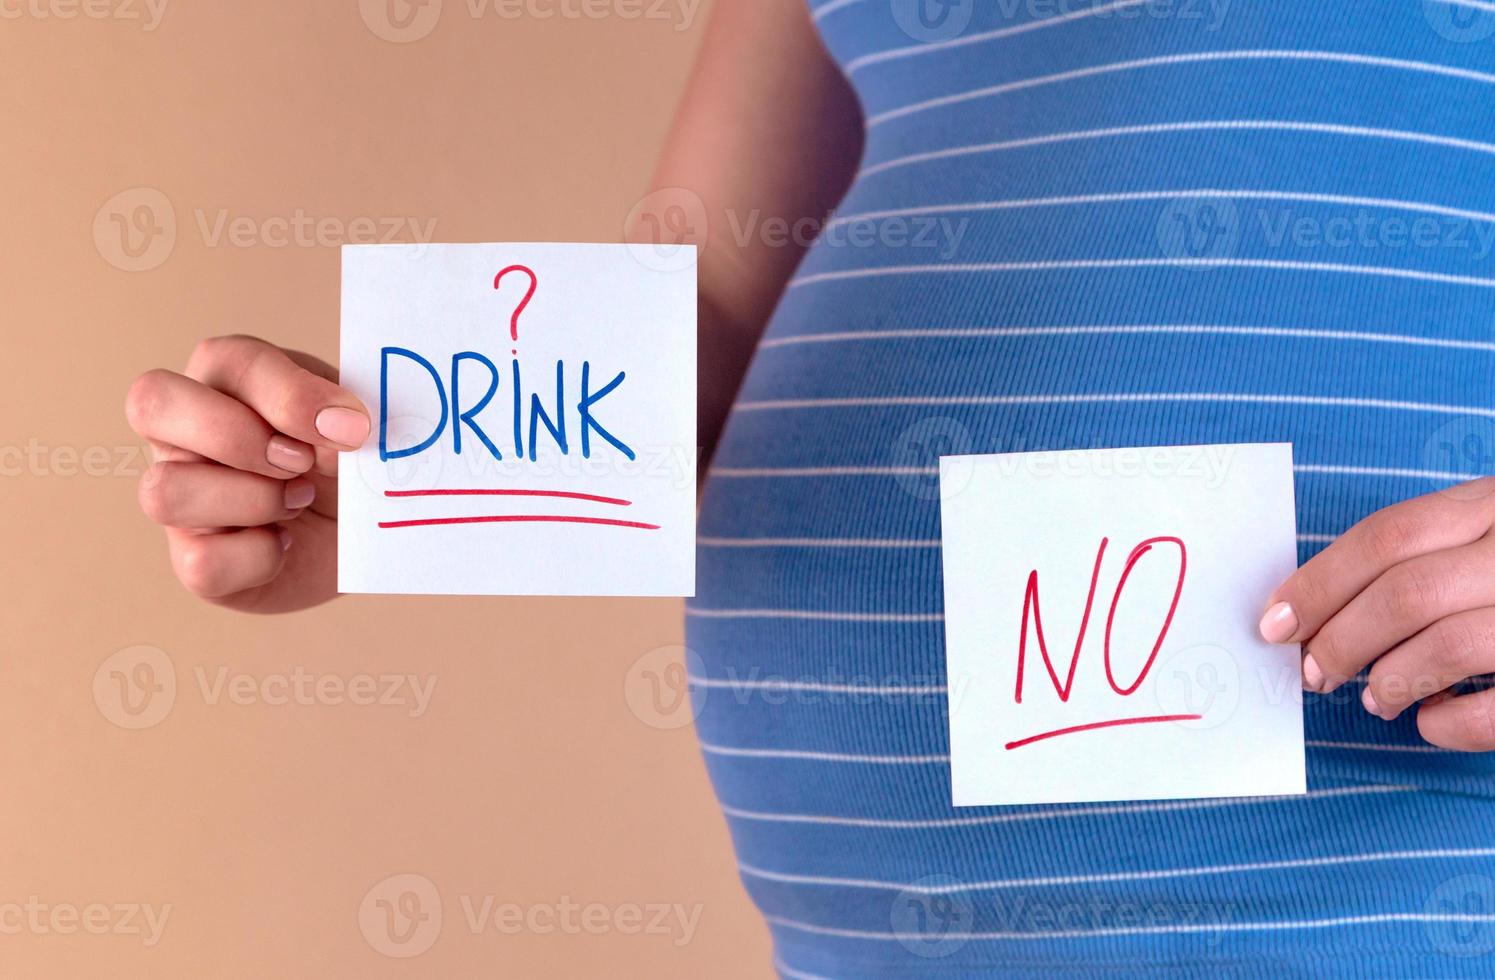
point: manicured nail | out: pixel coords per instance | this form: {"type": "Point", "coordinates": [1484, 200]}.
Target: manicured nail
{"type": "Point", "coordinates": [343, 426]}
{"type": "Point", "coordinates": [289, 454]}
{"type": "Point", "coordinates": [1313, 674]}
{"type": "Point", "coordinates": [1278, 624]}
{"type": "Point", "coordinates": [285, 540]}
{"type": "Point", "coordinates": [299, 494]}
{"type": "Point", "coordinates": [1369, 700]}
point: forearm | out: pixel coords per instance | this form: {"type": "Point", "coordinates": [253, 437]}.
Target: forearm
{"type": "Point", "coordinates": [768, 129]}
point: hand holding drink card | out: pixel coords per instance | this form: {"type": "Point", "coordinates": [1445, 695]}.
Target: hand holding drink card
{"type": "Point", "coordinates": [534, 421]}
{"type": "Point", "coordinates": [1100, 618]}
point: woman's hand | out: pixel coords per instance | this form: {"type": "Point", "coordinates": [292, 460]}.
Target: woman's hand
{"type": "Point", "coordinates": [245, 474]}
{"type": "Point", "coordinates": [1410, 592]}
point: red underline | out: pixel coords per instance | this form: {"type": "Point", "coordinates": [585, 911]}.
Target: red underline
{"type": "Point", "coordinates": [1099, 724]}
{"type": "Point", "coordinates": [509, 493]}
{"type": "Point", "coordinates": [513, 518]}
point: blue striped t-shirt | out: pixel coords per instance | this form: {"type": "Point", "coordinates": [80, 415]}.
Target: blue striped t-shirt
{"type": "Point", "coordinates": [1079, 224]}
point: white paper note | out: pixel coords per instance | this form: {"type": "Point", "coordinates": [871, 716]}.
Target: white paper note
{"type": "Point", "coordinates": [1142, 574]}
{"type": "Point", "coordinates": [534, 421]}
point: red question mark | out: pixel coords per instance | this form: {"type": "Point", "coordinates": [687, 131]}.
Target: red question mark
{"type": "Point", "coordinates": [533, 282]}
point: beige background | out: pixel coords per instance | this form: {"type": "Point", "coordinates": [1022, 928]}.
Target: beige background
{"type": "Point", "coordinates": [529, 779]}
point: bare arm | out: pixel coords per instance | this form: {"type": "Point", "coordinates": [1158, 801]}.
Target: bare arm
{"type": "Point", "coordinates": [768, 129]}
{"type": "Point", "coordinates": [246, 441]}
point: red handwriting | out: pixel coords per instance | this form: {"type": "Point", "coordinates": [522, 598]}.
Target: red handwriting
{"type": "Point", "coordinates": [1064, 688]}
{"type": "Point", "coordinates": [515, 518]}
{"type": "Point", "coordinates": [1030, 599]}
{"type": "Point", "coordinates": [1092, 726]}
{"type": "Point", "coordinates": [519, 518]}
{"type": "Point", "coordinates": [529, 294]}
{"type": "Point", "coordinates": [1131, 562]}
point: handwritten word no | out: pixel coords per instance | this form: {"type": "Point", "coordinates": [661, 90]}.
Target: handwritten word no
{"type": "Point", "coordinates": [1063, 688]}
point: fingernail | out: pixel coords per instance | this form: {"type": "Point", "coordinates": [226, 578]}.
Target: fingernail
{"type": "Point", "coordinates": [288, 454]}
{"type": "Point", "coordinates": [1369, 700]}
{"type": "Point", "coordinates": [285, 540]}
{"type": "Point", "coordinates": [299, 494]}
{"type": "Point", "coordinates": [1278, 624]}
{"type": "Point", "coordinates": [1313, 674]}
{"type": "Point", "coordinates": [343, 426]}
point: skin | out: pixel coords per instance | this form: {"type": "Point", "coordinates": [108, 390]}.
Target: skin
{"type": "Point", "coordinates": [1410, 593]}
{"type": "Point", "coordinates": [245, 483]}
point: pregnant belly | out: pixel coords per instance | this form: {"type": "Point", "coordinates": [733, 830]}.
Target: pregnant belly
{"type": "Point", "coordinates": [819, 565]}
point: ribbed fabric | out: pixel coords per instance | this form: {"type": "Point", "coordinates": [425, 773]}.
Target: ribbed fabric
{"type": "Point", "coordinates": [1086, 224]}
